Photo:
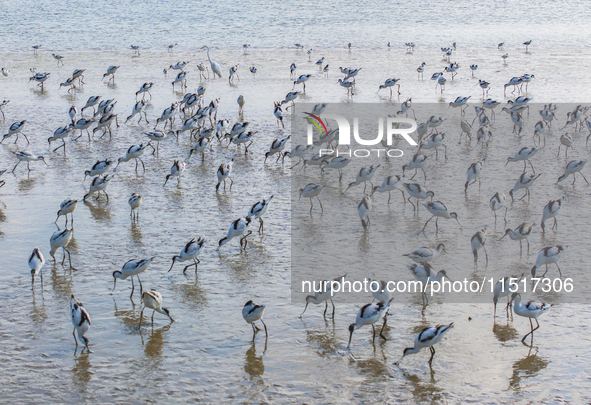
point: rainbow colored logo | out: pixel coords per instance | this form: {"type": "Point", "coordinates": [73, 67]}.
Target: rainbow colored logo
{"type": "Point", "coordinates": [314, 119]}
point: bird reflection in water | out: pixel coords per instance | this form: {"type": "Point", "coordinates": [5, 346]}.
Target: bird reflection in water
{"type": "Point", "coordinates": [424, 391]}
{"type": "Point", "coordinates": [26, 184]}
{"type": "Point", "coordinates": [529, 366]}
{"type": "Point", "coordinates": [324, 341]}
{"type": "Point", "coordinates": [154, 346]}
{"type": "Point", "coordinates": [129, 317]}
{"type": "Point", "coordinates": [135, 232]}
{"type": "Point", "coordinates": [61, 284]}
{"type": "Point", "coordinates": [504, 333]}
{"type": "Point", "coordinates": [253, 363]}
{"type": "Point", "coordinates": [38, 312]}
{"type": "Point", "coordinates": [374, 368]}
{"type": "Point", "coordinates": [81, 372]}
{"type": "Point", "coordinates": [99, 210]}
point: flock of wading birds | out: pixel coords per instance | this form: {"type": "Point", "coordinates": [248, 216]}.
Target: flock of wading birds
{"type": "Point", "coordinates": [200, 119]}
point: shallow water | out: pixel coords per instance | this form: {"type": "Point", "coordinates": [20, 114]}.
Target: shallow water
{"type": "Point", "coordinates": [207, 354]}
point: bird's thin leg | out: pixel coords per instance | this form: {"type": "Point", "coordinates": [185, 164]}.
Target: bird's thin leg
{"type": "Point", "coordinates": [428, 222]}
{"type": "Point", "coordinates": [75, 340]}
{"type": "Point", "coordinates": [531, 332]}
{"type": "Point", "coordinates": [132, 288]}
{"type": "Point", "coordinates": [141, 317]}
{"type": "Point", "coordinates": [384, 327]}
{"type": "Point", "coordinates": [333, 308]}
{"type": "Point", "coordinates": [559, 272]}
{"type": "Point", "coordinates": [374, 333]}
{"type": "Point", "coordinates": [325, 308]}
{"type": "Point", "coordinates": [432, 355]}
{"type": "Point", "coordinates": [153, 317]}
{"type": "Point", "coordinates": [266, 334]}
{"type": "Point", "coordinates": [306, 307]}
{"type": "Point", "coordinates": [141, 287]}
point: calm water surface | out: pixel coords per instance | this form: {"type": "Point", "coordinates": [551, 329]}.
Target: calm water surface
{"type": "Point", "coordinates": [207, 354]}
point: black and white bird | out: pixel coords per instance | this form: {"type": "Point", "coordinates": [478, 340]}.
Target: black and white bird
{"type": "Point", "coordinates": [546, 256]}
{"type": "Point", "coordinates": [520, 233]}
{"type": "Point", "coordinates": [135, 202]}
{"type": "Point", "coordinates": [60, 239]}
{"type": "Point", "coordinates": [324, 294]}
{"type": "Point", "coordinates": [134, 152]}
{"type": "Point", "coordinates": [176, 170]}
{"type": "Point", "coordinates": [132, 268]}
{"type": "Point", "coordinates": [479, 241]}
{"type": "Point", "coordinates": [531, 310]}
{"type": "Point", "coordinates": [252, 313]}
{"type": "Point", "coordinates": [573, 168]}
{"type": "Point", "coordinates": [223, 173]}
{"type": "Point", "coordinates": [425, 254]}
{"type": "Point", "coordinates": [258, 209]}
{"type": "Point", "coordinates": [370, 314]}
{"type": "Point", "coordinates": [67, 207]}
{"type": "Point", "coordinates": [36, 263]}
{"type": "Point", "coordinates": [111, 72]}
{"type": "Point", "coordinates": [497, 202]}
{"type": "Point", "coordinates": [363, 209]}
{"type": "Point", "coordinates": [60, 134]}
{"type": "Point", "coordinates": [98, 184]}
{"type": "Point", "coordinates": [276, 148]}
{"type": "Point", "coordinates": [153, 299]}
{"type": "Point", "coordinates": [100, 167]}
{"type": "Point", "coordinates": [15, 129]}
{"type": "Point", "coordinates": [240, 227]}
{"type": "Point", "coordinates": [428, 337]}
{"type": "Point", "coordinates": [80, 320]}
{"type": "Point", "coordinates": [550, 211]}
{"type": "Point", "coordinates": [190, 252]}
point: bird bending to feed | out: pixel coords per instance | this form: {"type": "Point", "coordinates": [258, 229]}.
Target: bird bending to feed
{"type": "Point", "coordinates": [238, 228]}
{"type": "Point", "coordinates": [153, 299]}
{"type": "Point", "coordinates": [390, 183]}
{"type": "Point", "coordinates": [252, 313]}
{"type": "Point", "coordinates": [550, 211]}
{"type": "Point", "coordinates": [60, 239]}
{"type": "Point", "coordinates": [428, 337]}
{"type": "Point", "coordinates": [258, 209]}
{"type": "Point", "coordinates": [370, 314]}
{"type": "Point", "coordinates": [80, 320]}
{"type": "Point", "coordinates": [573, 168]}
{"type": "Point", "coordinates": [130, 269]}
{"type": "Point", "coordinates": [67, 207]}
{"type": "Point", "coordinates": [190, 252]}
{"type": "Point", "coordinates": [323, 295]}
{"type": "Point", "coordinates": [425, 254]}
{"type": "Point", "coordinates": [99, 184]}
{"type": "Point", "coordinates": [223, 173]}
{"type": "Point", "coordinates": [503, 288]}
{"type": "Point", "coordinates": [520, 233]}
{"type": "Point", "coordinates": [310, 191]}
{"type": "Point", "coordinates": [546, 256]}
{"type": "Point", "coordinates": [27, 156]}
{"type": "Point", "coordinates": [439, 210]}
{"type": "Point", "coordinates": [176, 170]}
